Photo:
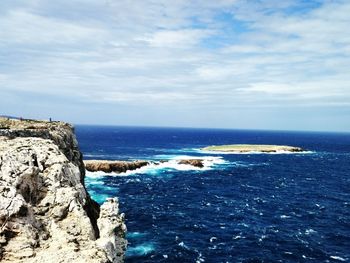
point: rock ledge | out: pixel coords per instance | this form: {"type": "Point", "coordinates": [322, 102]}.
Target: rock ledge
{"type": "Point", "coordinates": [46, 214]}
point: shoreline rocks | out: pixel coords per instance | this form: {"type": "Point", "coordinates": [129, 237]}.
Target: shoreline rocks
{"type": "Point", "coordinates": [116, 166]}
{"type": "Point", "coordinates": [46, 214]}
{"type": "Point", "coordinates": [113, 166]}
{"type": "Point", "coordinates": [194, 162]}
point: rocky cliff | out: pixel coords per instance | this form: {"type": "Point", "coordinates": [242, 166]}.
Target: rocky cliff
{"type": "Point", "coordinates": [46, 214]}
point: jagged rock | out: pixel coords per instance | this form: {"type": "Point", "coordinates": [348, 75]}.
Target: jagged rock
{"type": "Point", "coordinates": [113, 166]}
{"type": "Point", "coordinates": [46, 215]}
{"type": "Point", "coordinates": [61, 133]}
{"type": "Point", "coordinates": [112, 230]}
{"type": "Point", "coordinates": [193, 162]}
{"type": "Point", "coordinates": [124, 166]}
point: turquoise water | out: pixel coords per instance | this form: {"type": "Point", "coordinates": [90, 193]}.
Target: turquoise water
{"type": "Point", "coordinates": [239, 208]}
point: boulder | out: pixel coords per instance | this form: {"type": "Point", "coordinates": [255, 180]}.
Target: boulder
{"type": "Point", "coordinates": [194, 162]}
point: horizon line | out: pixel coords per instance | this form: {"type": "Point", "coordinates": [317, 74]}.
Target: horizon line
{"type": "Point", "coordinates": [208, 128]}
{"type": "Point", "coordinates": [177, 127]}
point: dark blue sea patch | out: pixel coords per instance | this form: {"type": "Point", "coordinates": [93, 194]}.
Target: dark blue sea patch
{"type": "Point", "coordinates": [250, 208]}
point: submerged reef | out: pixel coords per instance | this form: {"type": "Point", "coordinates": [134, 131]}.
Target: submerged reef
{"type": "Point", "coordinates": [46, 214]}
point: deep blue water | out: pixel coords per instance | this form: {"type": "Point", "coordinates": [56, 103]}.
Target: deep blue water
{"type": "Point", "coordinates": [244, 208]}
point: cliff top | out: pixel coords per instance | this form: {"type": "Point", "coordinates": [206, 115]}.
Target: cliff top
{"type": "Point", "coordinates": [27, 124]}
{"type": "Point", "coordinates": [61, 133]}
{"type": "Point", "coordinates": [46, 214]}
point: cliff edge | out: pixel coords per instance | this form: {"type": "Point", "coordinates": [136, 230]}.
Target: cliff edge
{"type": "Point", "coordinates": [46, 214]}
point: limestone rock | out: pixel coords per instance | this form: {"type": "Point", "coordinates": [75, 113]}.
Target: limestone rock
{"type": "Point", "coordinates": [194, 162]}
{"type": "Point", "coordinates": [113, 166]}
{"type": "Point", "coordinates": [112, 230]}
{"type": "Point", "coordinates": [124, 166]}
{"type": "Point", "coordinates": [46, 214]}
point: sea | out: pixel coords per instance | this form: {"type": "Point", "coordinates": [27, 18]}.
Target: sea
{"type": "Point", "coordinates": [252, 207]}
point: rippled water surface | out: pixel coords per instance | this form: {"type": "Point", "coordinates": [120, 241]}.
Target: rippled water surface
{"type": "Point", "coordinates": [239, 208]}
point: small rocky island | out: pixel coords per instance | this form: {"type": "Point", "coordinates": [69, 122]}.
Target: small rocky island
{"type": "Point", "coordinates": [245, 148]}
{"type": "Point", "coordinates": [46, 214]}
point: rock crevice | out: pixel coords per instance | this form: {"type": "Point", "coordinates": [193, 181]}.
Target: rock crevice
{"type": "Point", "coordinates": [46, 214]}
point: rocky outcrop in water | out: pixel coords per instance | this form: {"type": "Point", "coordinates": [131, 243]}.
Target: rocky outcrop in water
{"type": "Point", "coordinates": [46, 214]}
{"type": "Point", "coordinates": [113, 166]}
{"type": "Point", "coordinates": [124, 166]}
{"type": "Point", "coordinates": [194, 162]}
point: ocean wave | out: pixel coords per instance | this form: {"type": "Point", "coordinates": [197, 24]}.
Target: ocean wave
{"type": "Point", "coordinates": [135, 235]}
{"type": "Point", "coordinates": [140, 250]}
{"type": "Point", "coordinates": [169, 163]}
{"type": "Point", "coordinates": [91, 175]}
{"type": "Point", "coordinates": [338, 258]}
{"type": "Point", "coordinates": [246, 164]}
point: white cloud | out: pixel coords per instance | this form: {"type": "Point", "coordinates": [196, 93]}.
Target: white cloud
{"type": "Point", "coordinates": [182, 53]}
{"type": "Point", "coordinates": [21, 27]}
{"type": "Point", "coordinates": [176, 38]}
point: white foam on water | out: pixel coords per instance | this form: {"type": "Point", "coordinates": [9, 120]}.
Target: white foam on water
{"type": "Point", "coordinates": [200, 258]}
{"type": "Point", "coordinates": [171, 163]}
{"type": "Point", "coordinates": [97, 174]}
{"type": "Point", "coordinates": [310, 231]}
{"type": "Point", "coordinates": [90, 181]}
{"type": "Point", "coordinates": [212, 239]}
{"type": "Point", "coordinates": [245, 164]}
{"type": "Point", "coordinates": [135, 234]}
{"type": "Point", "coordinates": [140, 250]}
{"type": "Point", "coordinates": [182, 244]}
{"type": "Point", "coordinates": [284, 216]}
{"type": "Point", "coordinates": [338, 258]}
{"type": "Point", "coordinates": [208, 161]}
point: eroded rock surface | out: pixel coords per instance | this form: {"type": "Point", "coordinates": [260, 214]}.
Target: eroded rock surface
{"type": "Point", "coordinates": [124, 166]}
{"type": "Point", "coordinates": [194, 162]}
{"type": "Point", "coordinates": [46, 215]}
{"type": "Point", "coordinates": [113, 166]}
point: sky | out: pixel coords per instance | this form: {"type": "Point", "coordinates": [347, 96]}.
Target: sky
{"type": "Point", "coordinates": [253, 64]}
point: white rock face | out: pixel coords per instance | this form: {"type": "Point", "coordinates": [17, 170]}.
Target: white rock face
{"type": "Point", "coordinates": [46, 215]}
{"type": "Point", "coordinates": [110, 223]}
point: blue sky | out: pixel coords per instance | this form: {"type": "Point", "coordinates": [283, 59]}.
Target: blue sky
{"type": "Point", "coordinates": [228, 63]}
